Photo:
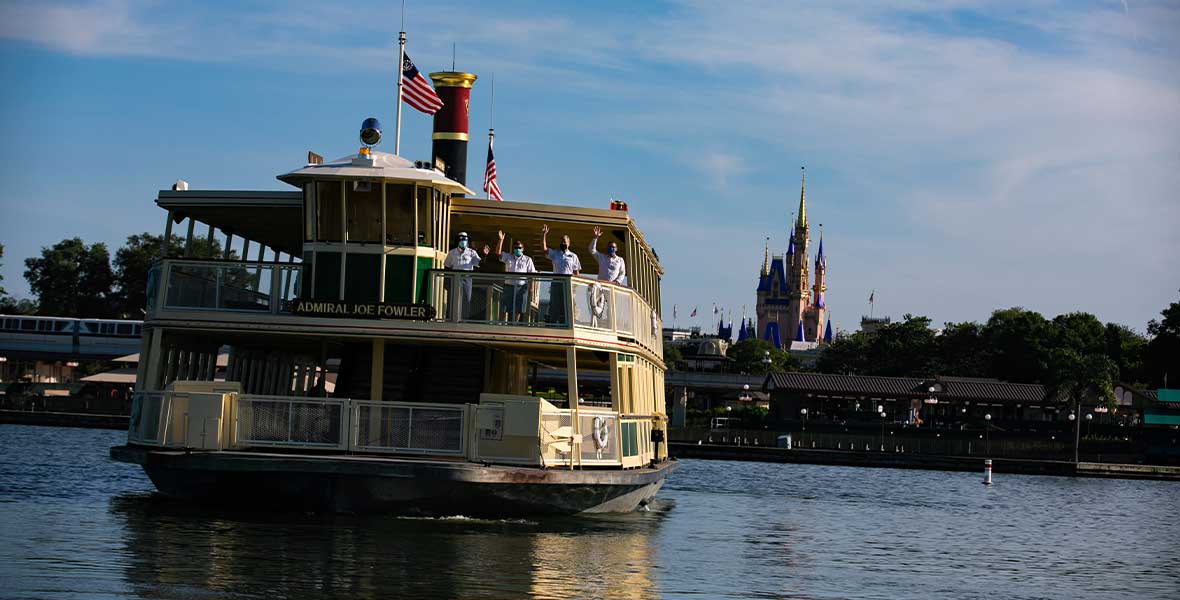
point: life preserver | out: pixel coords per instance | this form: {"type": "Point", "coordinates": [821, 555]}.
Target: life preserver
{"type": "Point", "coordinates": [596, 300]}
{"type": "Point", "coordinates": [601, 432]}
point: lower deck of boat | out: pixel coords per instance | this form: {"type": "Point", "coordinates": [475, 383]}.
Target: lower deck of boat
{"type": "Point", "coordinates": [353, 483]}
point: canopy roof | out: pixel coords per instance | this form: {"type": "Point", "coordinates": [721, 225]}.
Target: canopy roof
{"type": "Point", "coordinates": [272, 218]}
{"type": "Point", "coordinates": [378, 165]}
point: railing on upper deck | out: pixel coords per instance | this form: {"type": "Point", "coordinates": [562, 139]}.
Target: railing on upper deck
{"type": "Point", "coordinates": [250, 287]}
{"type": "Point", "coordinates": [504, 299]}
{"type": "Point", "coordinates": [545, 300]}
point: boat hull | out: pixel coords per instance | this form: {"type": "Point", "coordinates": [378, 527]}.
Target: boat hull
{"type": "Point", "coordinates": [405, 486]}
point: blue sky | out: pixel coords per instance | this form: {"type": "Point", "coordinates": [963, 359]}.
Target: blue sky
{"type": "Point", "coordinates": [962, 156]}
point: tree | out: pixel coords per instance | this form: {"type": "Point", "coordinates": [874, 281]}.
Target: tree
{"type": "Point", "coordinates": [845, 355]}
{"type": "Point", "coordinates": [1080, 332]}
{"type": "Point", "coordinates": [1074, 377]}
{"type": "Point", "coordinates": [132, 262]}
{"type": "Point", "coordinates": [673, 359]}
{"type": "Point", "coordinates": [71, 279]}
{"type": "Point", "coordinates": [1018, 343]}
{"type": "Point", "coordinates": [1163, 351]}
{"type": "Point", "coordinates": [748, 355]}
{"type": "Point", "coordinates": [962, 351]}
{"type": "Point", "coordinates": [1128, 350]}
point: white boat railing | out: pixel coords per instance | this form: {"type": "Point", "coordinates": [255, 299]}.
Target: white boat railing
{"type": "Point", "coordinates": [542, 435]}
{"type": "Point", "coordinates": [502, 299]}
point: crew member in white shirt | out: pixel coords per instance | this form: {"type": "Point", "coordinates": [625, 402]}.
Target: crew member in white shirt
{"type": "Point", "coordinates": [463, 258]}
{"type": "Point", "coordinates": [516, 292]}
{"type": "Point", "coordinates": [565, 262]}
{"type": "Point", "coordinates": [610, 265]}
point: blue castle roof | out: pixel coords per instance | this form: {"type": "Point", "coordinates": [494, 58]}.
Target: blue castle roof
{"type": "Point", "coordinates": [828, 332]}
{"type": "Point", "coordinates": [776, 268]}
{"type": "Point", "coordinates": [771, 335]}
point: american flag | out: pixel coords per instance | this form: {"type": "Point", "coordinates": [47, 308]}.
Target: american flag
{"type": "Point", "coordinates": [489, 176]}
{"type": "Point", "coordinates": [416, 91]}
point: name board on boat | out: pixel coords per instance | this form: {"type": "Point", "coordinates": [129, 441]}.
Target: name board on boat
{"type": "Point", "coordinates": [362, 310]}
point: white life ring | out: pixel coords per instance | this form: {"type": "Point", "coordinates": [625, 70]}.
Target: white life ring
{"type": "Point", "coordinates": [601, 432]}
{"type": "Point", "coordinates": [596, 300]}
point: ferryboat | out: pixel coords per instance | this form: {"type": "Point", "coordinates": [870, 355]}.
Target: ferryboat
{"type": "Point", "coordinates": [364, 376]}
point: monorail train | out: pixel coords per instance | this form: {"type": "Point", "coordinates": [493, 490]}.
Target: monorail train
{"type": "Point", "coordinates": [59, 336]}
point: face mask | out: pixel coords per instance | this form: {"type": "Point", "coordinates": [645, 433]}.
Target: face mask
{"type": "Point", "coordinates": [462, 243]}
{"type": "Point", "coordinates": [517, 251]}
{"type": "Point", "coordinates": [611, 251]}
{"type": "Point", "coordinates": [564, 246]}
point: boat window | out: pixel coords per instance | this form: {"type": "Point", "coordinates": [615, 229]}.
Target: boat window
{"type": "Point", "coordinates": [362, 277]}
{"type": "Point", "coordinates": [399, 214]}
{"type": "Point", "coordinates": [327, 276]}
{"type": "Point", "coordinates": [425, 216]}
{"type": "Point", "coordinates": [364, 212]}
{"type": "Point", "coordinates": [329, 212]}
{"type": "Point", "coordinates": [309, 212]}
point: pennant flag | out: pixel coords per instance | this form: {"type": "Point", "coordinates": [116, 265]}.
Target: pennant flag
{"type": "Point", "coordinates": [694, 312]}
{"type": "Point", "coordinates": [416, 90]}
{"type": "Point", "coordinates": [489, 176]}
{"type": "Point", "coordinates": [871, 294]}
{"type": "Point", "coordinates": [674, 311]}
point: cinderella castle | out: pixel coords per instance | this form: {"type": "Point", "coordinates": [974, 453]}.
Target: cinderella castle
{"type": "Point", "coordinates": [789, 310]}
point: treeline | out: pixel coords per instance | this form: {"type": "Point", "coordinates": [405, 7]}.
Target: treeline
{"type": "Point", "coordinates": [74, 279]}
{"type": "Point", "coordinates": [1015, 345]}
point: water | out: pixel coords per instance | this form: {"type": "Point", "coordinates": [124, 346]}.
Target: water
{"type": "Point", "coordinates": [73, 524]}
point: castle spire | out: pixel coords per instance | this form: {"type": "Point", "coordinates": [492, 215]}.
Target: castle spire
{"type": "Point", "coordinates": [819, 258]}
{"type": "Point", "coordinates": [791, 243]}
{"type": "Point", "coordinates": [801, 223]}
{"type": "Point", "coordinates": [766, 258]}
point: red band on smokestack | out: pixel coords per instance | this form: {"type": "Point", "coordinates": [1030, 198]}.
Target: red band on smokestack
{"type": "Point", "coordinates": [450, 122]}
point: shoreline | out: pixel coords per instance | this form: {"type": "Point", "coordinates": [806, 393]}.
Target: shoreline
{"type": "Point", "coordinates": [893, 460]}
{"type": "Point", "coordinates": [65, 419]}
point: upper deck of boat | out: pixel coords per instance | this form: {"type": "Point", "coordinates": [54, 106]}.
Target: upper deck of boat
{"type": "Point", "coordinates": [260, 276]}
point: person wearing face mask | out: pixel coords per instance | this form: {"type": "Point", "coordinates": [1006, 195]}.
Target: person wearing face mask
{"type": "Point", "coordinates": [516, 292]}
{"type": "Point", "coordinates": [610, 265]}
{"type": "Point", "coordinates": [565, 262]}
{"type": "Point", "coordinates": [463, 258]}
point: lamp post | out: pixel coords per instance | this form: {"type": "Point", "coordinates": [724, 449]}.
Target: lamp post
{"type": "Point", "coordinates": [1077, 428]}
{"type": "Point", "coordinates": [803, 415]}
{"type": "Point", "coordinates": [766, 362]}
{"type": "Point", "coordinates": [987, 433]}
{"type": "Point", "coordinates": [1089, 417]}
{"type": "Point", "coordinates": [745, 395]}
{"type": "Point", "coordinates": [882, 413]}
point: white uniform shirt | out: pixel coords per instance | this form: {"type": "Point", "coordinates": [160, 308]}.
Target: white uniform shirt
{"type": "Point", "coordinates": [564, 262]}
{"type": "Point", "coordinates": [462, 259]}
{"type": "Point", "coordinates": [517, 264]}
{"type": "Point", "coordinates": [610, 268]}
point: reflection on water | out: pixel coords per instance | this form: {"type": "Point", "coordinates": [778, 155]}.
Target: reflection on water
{"type": "Point", "coordinates": [185, 551]}
{"type": "Point", "coordinates": [77, 526]}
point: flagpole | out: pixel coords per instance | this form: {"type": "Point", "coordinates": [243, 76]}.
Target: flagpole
{"type": "Point", "coordinates": [491, 131]}
{"type": "Point", "coordinates": [401, 61]}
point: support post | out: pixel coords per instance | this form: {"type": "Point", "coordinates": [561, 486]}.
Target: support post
{"type": "Point", "coordinates": [167, 235]}
{"type": "Point", "coordinates": [188, 238]}
{"type": "Point", "coordinates": [571, 370]}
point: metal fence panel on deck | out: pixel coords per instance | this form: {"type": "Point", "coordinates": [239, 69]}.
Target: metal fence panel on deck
{"type": "Point", "coordinates": [388, 427]}
{"type": "Point", "coordinates": [291, 422]}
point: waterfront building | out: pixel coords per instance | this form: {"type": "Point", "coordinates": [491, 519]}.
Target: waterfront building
{"type": "Point", "coordinates": [790, 314]}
